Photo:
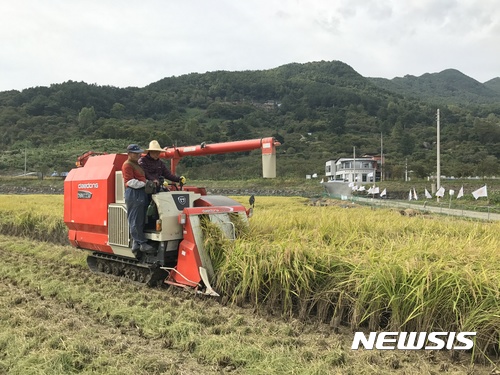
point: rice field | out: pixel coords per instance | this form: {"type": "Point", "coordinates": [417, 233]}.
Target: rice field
{"type": "Point", "coordinates": [39, 217]}
{"type": "Point", "coordinates": [356, 267]}
{"type": "Point", "coordinates": [369, 268]}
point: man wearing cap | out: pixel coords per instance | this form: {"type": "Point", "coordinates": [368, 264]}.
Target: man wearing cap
{"type": "Point", "coordinates": [136, 199]}
{"type": "Point", "coordinates": [154, 168]}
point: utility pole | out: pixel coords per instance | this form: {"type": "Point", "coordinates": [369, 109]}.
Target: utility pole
{"type": "Point", "coordinates": [406, 170]}
{"type": "Point", "coordinates": [25, 159]}
{"type": "Point", "coordinates": [438, 167]}
{"type": "Point", "coordinates": [381, 157]}
{"type": "Point", "coordinates": [354, 166]}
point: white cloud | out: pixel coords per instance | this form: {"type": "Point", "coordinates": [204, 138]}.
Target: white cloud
{"type": "Point", "coordinates": [130, 43]}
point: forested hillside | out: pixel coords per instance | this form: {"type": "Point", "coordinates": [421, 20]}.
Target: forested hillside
{"type": "Point", "coordinates": [319, 111]}
{"type": "Point", "coordinates": [448, 87]}
{"type": "Point", "coordinates": [494, 84]}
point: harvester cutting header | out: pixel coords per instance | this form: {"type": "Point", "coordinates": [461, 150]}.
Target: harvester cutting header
{"type": "Point", "coordinates": [96, 216]}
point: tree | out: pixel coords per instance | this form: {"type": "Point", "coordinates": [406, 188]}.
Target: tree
{"type": "Point", "coordinates": [118, 110]}
{"type": "Point", "coordinates": [487, 131]}
{"type": "Point", "coordinates": [407, 144]}
{"type": "Point", "coordinates": [37, 106]}
{"type": "Point", "coordinates": [86, 117]}
{"type": "Point", "coordinates": [421, 169]}
{"type": "Point", "coordinates": [488, 166]}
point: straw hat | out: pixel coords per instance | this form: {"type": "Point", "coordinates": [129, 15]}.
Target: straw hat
{"type": "Point", "coordinates": [154, 146]}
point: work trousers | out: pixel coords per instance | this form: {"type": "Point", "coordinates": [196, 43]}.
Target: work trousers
{"type": "Point", "coordinates": [136, 201]}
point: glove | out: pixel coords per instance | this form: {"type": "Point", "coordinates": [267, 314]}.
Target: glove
{"type": "Point", "coordinates": [150, 187]}
{"type": "Point", "coordinates": [182, 180]}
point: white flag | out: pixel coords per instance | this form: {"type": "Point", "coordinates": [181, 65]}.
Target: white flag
{"type": "Point", "coordinates": [361, 188]}
{"type": "Point", "coordinates": [370, 191]}
{"type": "Point", "coordinates": [460, 193]}
{"type": "Point", "coordinates": [376, 190]}
{"type": "Point", "coordinates": [351, 184]}
{"type": "Point", "coordinates": [481, 192]}
{"type": "Point", "coordinates": [415, 195]}
{"type": "Point", "coordinates": [440, 192]}
{"type": "Point", "coordinates": [427, 194]}
{"type": "Point", "coordinates": [409, 196]}
{"type": "Point", "coordinates": [383, 193]}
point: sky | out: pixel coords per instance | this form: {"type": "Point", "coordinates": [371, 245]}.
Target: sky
{"type": "Point", "coordinates": [134, 43]}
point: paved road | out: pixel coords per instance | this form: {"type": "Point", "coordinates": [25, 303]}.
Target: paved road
{"type": "Point", "coordinates": [439, 210]}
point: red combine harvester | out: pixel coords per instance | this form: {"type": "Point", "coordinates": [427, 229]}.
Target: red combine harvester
{"type": "Point", "coordinates": [96, 216]}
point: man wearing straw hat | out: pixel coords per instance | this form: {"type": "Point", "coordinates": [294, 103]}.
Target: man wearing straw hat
{"type": "Point", "coordinates": [154, 168]}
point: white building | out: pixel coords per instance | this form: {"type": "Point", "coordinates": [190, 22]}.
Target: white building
{"type": "Point", "coordinates": [358, 170]}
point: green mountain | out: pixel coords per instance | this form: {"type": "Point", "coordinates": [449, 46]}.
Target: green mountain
{"type": "Point", "coordinates": [493, 84]}
{"type": "Point", "coordinates": [449, 86]}
{"type": "Point", "coordinates": [318, 111]}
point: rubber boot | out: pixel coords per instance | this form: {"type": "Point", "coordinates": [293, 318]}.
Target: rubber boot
{"type": "Point", "coordinates": [147, 248]}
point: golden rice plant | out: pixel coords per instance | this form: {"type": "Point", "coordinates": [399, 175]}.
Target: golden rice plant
{"type": "Point", "coordinates": [368, 268]}
{"type": "Point", "coordinates": [36, 216]}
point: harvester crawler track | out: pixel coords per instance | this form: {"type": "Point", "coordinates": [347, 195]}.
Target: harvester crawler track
{"type": "Point", "coordinates": [141, 273]}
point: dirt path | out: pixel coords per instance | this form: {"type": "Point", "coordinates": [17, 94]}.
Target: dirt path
{"type": "Point", "coordinates": [439, 210]}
